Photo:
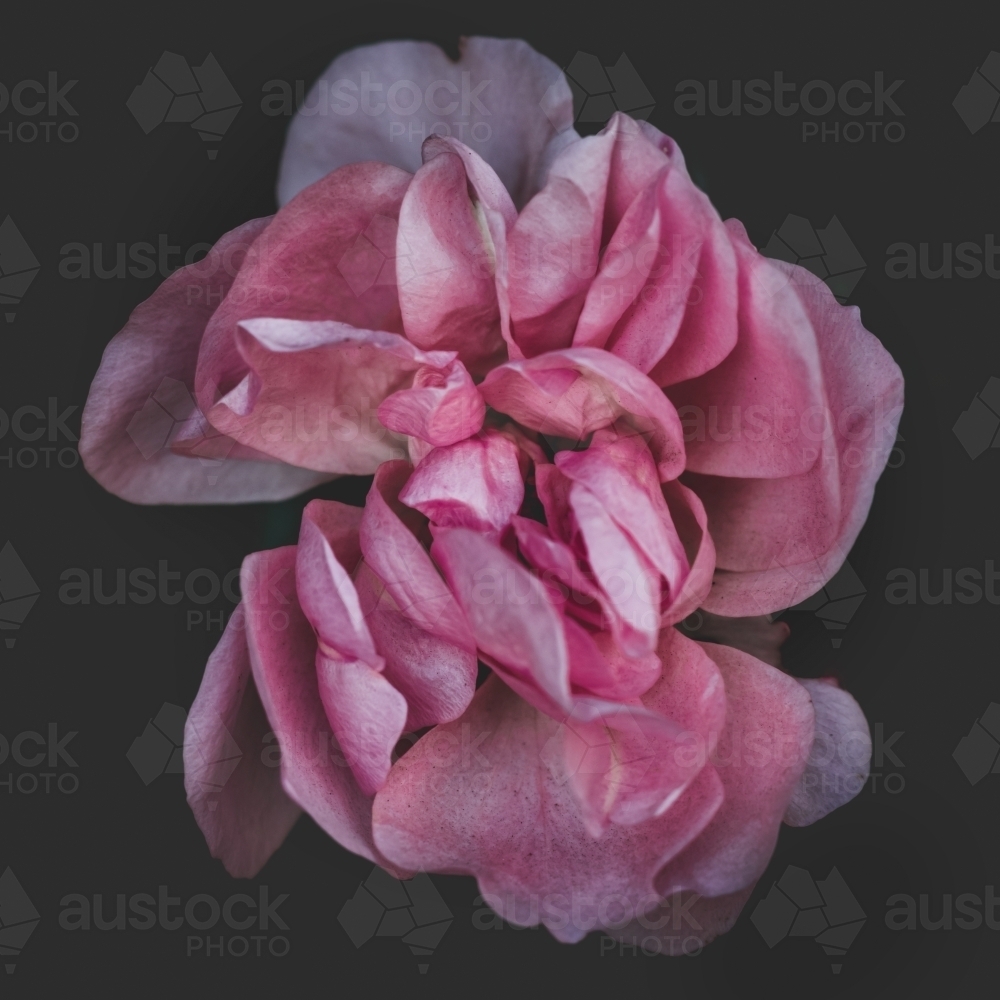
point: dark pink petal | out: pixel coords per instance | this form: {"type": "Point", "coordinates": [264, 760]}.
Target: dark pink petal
{"type": "Point", "coordinates": [508, 609]}
{"type": "Point", "coordinates": [501, 97]}
{"type": "Point", "coordinates": [489, 795]}
{"type": "Point", "coordinates": [328, 598]}
{"type": "Point", "coordinates": [448, 296]}
{"type": "Point", "coordinates": [392, 550]}
{"type": "Point", "coordinates": [754, 407]}
{"type": "Point", "coordinates": [804, 526]}
{"type": "Point", "coordinates": [624, 677]}
{"type": "Point", "coordinates": [314, 771]}
{"type": "Point", "coordinates": [474, 484]}
{"type": "Point", "coordinates": [442, 406]}
{"type": "Point", "coordinates": [760, 757]}
{"type": "Point", "coordinates": [141, 398]}
{"type": "Point", "coordinates": [436, 677]}
{"type": "Point", "coordinates": [313, 389]}
{"type": "Point", "coordinates": [328, 255]}
{"type": "Point", "coordinates": [574, 392]}
{"type": "Point", "coordinates": [237, 800]}
{"type": "Point", "coordinates": [841, 754]}
{"type": "Point", "coordinates": [366, 713]}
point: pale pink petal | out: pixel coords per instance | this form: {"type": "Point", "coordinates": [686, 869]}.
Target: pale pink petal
{"type": "Point", "coordinates": [688, 515]}
{"type": "Point", "coordinates": [840, 760]}
{"type": "Point", "coordinates": [501, 97]}
{"type": "Point", "coordinates": [141, 398]}
{"type": "Point", "coordinates": [442, 406]}
{"type": "Point", "coordinates": [760, 756]}
{"type": "Point", "coordinates": [389, 540]}
{"type": "Point", "coordinates": [574, 392]}
{"type": "Point", "coordinates": [366, 713]}
{"type": "Point", "coordinates": [475, 484]}
{"type": "Point", "coordinates": [436, 677]}
{"type": "Point", "coordinates": [502, 809]}
{"type": "Point", "coordinates": [314, 771]}
{"type": "Point", "coordinates": [313, 389]}
{"type": "Point", "coordinates": [236, 798]}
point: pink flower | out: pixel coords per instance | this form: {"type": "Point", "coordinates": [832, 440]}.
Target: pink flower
{"type": "Point", "coordinates": [590, 408]}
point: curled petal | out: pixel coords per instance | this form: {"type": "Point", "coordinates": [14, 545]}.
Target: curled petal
{"type": "Point", "coordinates": [366, 714]}
{"type": "Point", "coordinates": [282, 653]}
{"type": "Point", "coordinates": [840, 760]}
{"type": "Point", "coordinates": [441, 407]}
{"type": "Point", "coordinates": [760, 757]}
{"type": "Point", "coordinates": [391, 548]}
{"type": "Point", "coordinates": [509, 610]}
{"type": "Point", "coordinates": [448, 296]}
{"type": "Point", "coordinates": [236, 799]}
{"type": "Point", "coordinates": [327, 595]}
{"type": "Point", "coordinates": [436, 677]}
{"type": "Point", "coordinates": [572, 393]}
{"type": "Point", "coordinates": [140, 413]}
{"type": "Point", "coordinates": [312, 392]}
{"type": "Point", "coordinates": [475, 484]}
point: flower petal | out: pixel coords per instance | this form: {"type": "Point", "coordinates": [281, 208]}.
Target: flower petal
{"type": "Point", "coordinates": [572, 393]}
{"type": "Point", "coordinates": [313, 389]}
{"type": "Point", "coordinates": [475, 483]}
{"type": "Point", "coordinates": [396, 556]}
{"type": "Point", "coordinates": [242, 809]}
{"type": "Point", "coordinates": [760, 757]}
{"type": "Point", "coordinates": [772, 377]}
{"type": "Point", "coordinates": [437, 678]}
{"type": "Point", "coordinates": [804, 526]}
{"type": "Point", "coordinates": [504, 812]}
{"type": "Point", "coordinates": [366, 713]}
{"type": "Point", "coordinates": [325, 590]}
{"type": "Point", "coordinates": [501, 95]}
{"type": "Point", "coordinates": [141, 398]}
{"type": "Point", "coordinates": [839, 764]}
{"type": "Point", "coordinates": [448, 239]}
{"type": "Point", "coordinates": [508, 609]}
{"type": "Point", "coordinates": [441, 407]}
{"type": "Point", "coordinates": [282, 653]}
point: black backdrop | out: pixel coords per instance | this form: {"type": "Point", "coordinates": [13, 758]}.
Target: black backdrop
{"type": "Point", "coordinates": [920, 827]}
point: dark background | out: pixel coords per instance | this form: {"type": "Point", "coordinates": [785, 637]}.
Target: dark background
{"type": "Point", "coordinates": [928, 671]}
